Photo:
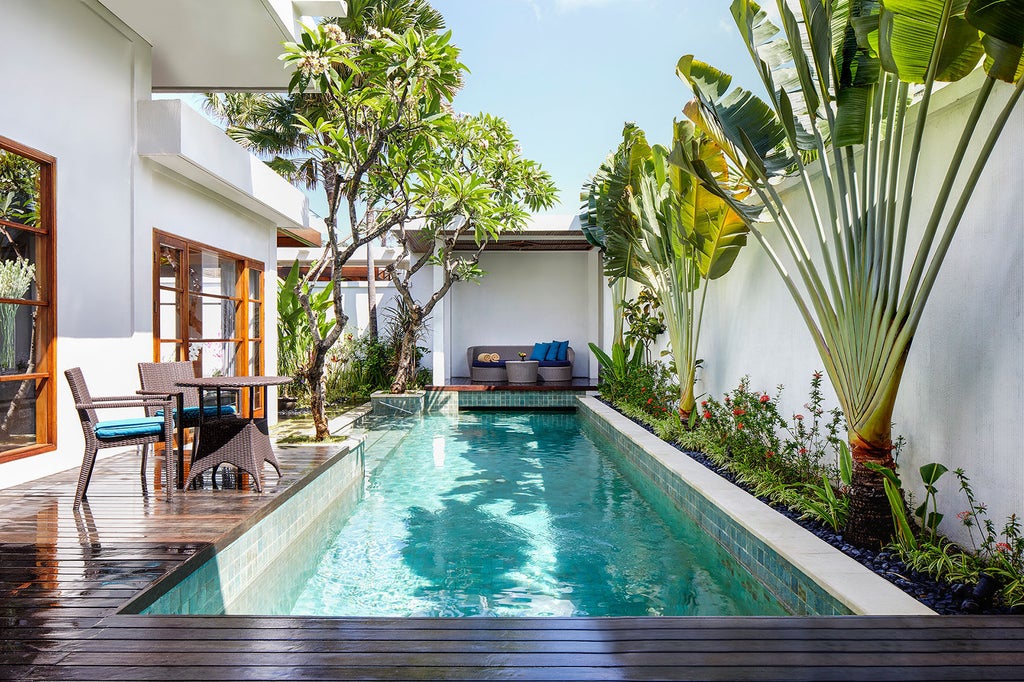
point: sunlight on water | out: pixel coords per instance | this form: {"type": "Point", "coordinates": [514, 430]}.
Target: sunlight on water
{"type": "Point", "coordinates": [519, 514]}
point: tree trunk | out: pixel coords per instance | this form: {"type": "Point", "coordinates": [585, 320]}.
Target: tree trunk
{"type": "Point", "coordinates": [317, 393]}
{"type": "Point", "coordinates": [371, 291]}
{"type": "Point", "coordinates": [687, 401]}
{"type": "Point", "coordinates": [405, 372]}
{"type": "Point", "coordinates": [869, 523]}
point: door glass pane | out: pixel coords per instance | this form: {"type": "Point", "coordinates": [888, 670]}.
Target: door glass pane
{"type": "Point", "coordinates": [217, 358]}
{"type": "Point", "coordinates": [255, 285]}
{"type": "Point", "coordinates": [18, 276]}
{"type": "Point", "coordinates": [170, 352]}
{"type": "Point", "coordinates": [17, 425]}
{"type": "Point", "coordinates": [169, 260]}
{"type": "Point", "coordinates": [255, 366]}
{"type": "Point", "coordinates": [19, 189]}
{"type": "Point", "coordinates": [254, 320]}
{"type": "Point", "coordinates": [212, 318]}
{"type": "Point", "coordinates": [210, 273]}
{"type": "Point", "coordinates": [170, 314]}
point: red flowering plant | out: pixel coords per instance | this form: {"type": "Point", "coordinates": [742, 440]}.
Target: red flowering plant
{"type": "Point", "coordinates": [1000, 553]}
{"type": "Point", "coordinates": [646, 388]}
{"type": "Point", "coordinates": [812, 435]}
{"type": "Point", "coordinates": [745, 425]}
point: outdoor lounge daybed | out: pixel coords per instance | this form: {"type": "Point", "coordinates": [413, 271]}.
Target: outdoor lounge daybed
{"type": "Point", "coordinates": [548, 370]}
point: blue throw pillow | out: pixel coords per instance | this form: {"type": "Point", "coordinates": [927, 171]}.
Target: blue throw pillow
{"type": "Point", "coordinates": [552, 353]}
{"type": "Point", "coordinates": [562, 352]}
{"type": "Point", "coordinates": [540, 351]}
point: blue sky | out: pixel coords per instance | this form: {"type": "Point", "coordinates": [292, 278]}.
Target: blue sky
{"type": "Point", "coordinates": [566, 74]}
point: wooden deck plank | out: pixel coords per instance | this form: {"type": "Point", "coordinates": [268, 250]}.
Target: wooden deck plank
{"type": "Point", "coordinates": [486, 670]}
{"type": "Point", "coordinates": [63, 576]}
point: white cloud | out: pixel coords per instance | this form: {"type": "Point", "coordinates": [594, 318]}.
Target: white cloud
{"type": "Point", "coordinates": [535, 7]}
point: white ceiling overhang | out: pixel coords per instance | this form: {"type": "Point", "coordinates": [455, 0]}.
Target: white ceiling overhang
{"type": "Point", "coordinates": [176, 137]}
{"type": "Point", "coordinates": [218, 45]}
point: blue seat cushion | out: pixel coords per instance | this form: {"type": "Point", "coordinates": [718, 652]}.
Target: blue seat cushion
{"type": "Point", "coordinates": [124, 428]}
{"type": "Point", "coordinates": [499, 363]}
{"type": "Point", "coordinates": [555, 363]}
{"type": "Point", "coordinates": [192, 413]}
{"type": "Point", "coordinates": [540, 350]}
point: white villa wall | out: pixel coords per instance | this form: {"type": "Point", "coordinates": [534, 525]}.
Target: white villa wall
{"type": "Point", "coordinates": [356, 297]}
{"type": "Point", "coordinates": [961, 396]}
{"type": "Point", "coordinates": [84, 116]}
{"type": "Point", "coordinates": [525, 297]}
{"type": "Point", "coordinates": [77, 100]}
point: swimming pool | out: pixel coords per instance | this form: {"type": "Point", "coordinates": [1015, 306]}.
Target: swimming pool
{"type": "Point", "coordinates": [519, 514]}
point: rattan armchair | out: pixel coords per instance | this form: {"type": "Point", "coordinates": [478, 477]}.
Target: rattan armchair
{"type": "Point", "coordinates": [162, 378]}
{"type": "Point", "coordinates": [122, 432]}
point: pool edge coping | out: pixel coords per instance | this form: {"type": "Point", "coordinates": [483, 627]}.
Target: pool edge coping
{"type": "Point", "coordinates": [860, 589]}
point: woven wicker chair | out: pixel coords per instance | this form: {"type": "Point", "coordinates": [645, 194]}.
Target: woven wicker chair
{"type": "Point", "coordinates": [161, 378]}
{"type": "Point", "coordinates": [122, 432]}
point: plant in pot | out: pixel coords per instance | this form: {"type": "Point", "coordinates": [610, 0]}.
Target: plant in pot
{"type": "Point", "coordinates": [16, 277]}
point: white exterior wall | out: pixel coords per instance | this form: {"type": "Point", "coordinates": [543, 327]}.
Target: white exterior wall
{"type": "Point", "coordinates": [77, 103]}
{"type": "Point", "coordinates": [77, 100]}
{"type": "Point", "coordinates": [356, 298]}
{"type": "Point", "coordinates": [960, 399]}
{"type": "Point", "coordinates": [525, 297]}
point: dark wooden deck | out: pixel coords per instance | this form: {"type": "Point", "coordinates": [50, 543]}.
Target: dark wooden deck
{"type": "Point", "coordinates": [63, 578]}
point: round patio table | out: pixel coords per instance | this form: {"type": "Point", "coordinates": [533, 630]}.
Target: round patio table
{"type": "Point", "coordinates": [241, 441]}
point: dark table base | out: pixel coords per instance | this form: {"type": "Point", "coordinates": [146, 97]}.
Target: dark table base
{"type": "Point", "coordinates": [244, 443]}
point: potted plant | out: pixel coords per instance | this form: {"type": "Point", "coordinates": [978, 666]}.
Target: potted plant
{"type": "Point", "coordinates": [15, 278]}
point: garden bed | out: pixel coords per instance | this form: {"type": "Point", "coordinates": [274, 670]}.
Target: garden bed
{"type": "Point", "coordinates": [944, 598]}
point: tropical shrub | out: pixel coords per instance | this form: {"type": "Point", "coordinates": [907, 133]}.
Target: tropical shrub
{"type": "Point", "coordinates": [645, 322]}
{"type": "Point", "coordinates": [662, 228]}
{"type": "Point", "coordinates": [294, 339]}
{"type": "Point", "coordinates": [788, 461]}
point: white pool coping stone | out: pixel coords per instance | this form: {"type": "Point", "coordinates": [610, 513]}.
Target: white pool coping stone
{"type": "Point", "coordinates": [851, 583]}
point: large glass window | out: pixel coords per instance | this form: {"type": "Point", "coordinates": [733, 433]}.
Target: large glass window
{"type": "Point", "coordinates": [27, 284]}
{"type": "Point", "coordinates": [208, 308]}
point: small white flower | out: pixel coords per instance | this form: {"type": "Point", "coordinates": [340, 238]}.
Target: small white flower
{"type": "Point", "coordinates": [313, 64]}
{"type": "Point", "coordinates": [334, 32]}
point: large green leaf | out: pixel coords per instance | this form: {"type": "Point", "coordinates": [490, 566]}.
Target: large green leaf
{"type": "Point", "coordinates": [1002, 22]}
{"type": "Point", "coordinates": [610, 220]}
{"type": "Point", "coordinates": [908, 30]}
{"type": "Point", "coordinates": [736, 114]}
{"type": "Point", "coordinates": [714, 229]}
{"type": "Point", "coordinates": [785, 73]}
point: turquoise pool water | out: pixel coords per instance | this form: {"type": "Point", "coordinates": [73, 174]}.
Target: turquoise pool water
{"type": "Point", "coordinates": [519, 514]}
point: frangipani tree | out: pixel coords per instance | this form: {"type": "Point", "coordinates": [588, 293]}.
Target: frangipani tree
{"type": "Point", "coordinates": [381, 101]}
{"type": "Point", "coordinates": [668, 232]}
{"type": "Point", "coordinates": [841, 75]}
{"type": "Point", "coordinates": [477, 184]}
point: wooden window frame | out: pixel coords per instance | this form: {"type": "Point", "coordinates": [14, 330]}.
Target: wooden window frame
{"type": "Point", "coordinates": [46, 317]}
{"type": "Point", "coordinates": [242, 296]}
